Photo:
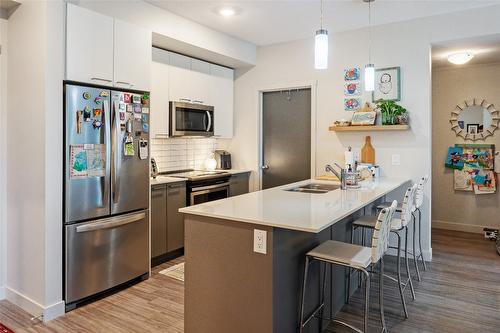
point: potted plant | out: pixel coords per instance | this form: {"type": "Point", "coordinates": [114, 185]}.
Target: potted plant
{"type": "Point", "coordinates": [392, 113]}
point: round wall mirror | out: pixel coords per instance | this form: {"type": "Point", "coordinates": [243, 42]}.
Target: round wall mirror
{"type": "Point", "coordinates": [474, 120]}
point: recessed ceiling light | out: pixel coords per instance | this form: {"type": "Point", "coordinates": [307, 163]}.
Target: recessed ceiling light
{"type": "Point", "coordinates": [460, 58]}
{"type": "Point", "coordinates": [227, 11]}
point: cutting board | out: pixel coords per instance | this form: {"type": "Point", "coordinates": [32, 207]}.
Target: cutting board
{"type": "Point", "coordinates": [368, 152]}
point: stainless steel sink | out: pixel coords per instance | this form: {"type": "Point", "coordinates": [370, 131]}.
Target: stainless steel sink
{"type": "Point", "coordinates": [314, 188]}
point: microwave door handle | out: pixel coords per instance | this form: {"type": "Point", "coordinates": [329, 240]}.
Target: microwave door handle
{"type": "Point", "coordinates": [209, 121]}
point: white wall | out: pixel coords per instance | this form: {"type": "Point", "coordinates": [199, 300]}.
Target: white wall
{"type": "Point", "coordinates": [459, 210]}
{"type": "Point", "coordinates": [3, 152]}
{"type": "Point", "coordinates": [34, 158]}
{"type": "Point", "coordinates": [405, 44]}
{"type": "Point", "coordinates": [177, 33]}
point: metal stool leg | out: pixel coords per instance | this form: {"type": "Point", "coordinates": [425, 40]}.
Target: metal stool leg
{"type": "Point", "coordinates": [420, 238]}
{"type": "Point", "coordinates": [348, 293]}
{"type": "Point", "coordinates": [407, 265]}
{"type": "Point", "coordinates": [367, 299]}
{"type": "Point", "coordinates": [304, 285]}
{"type": "Point", "coordinates": [381, 295]}
{"type": "Point", "coordinates": [362, 244]}
{"type": "Point", "coordinates": [415, 258]}
{"type": "Point", "coordinates": [400, 284]}
{"type": "Point", "coordinates": [326, 266]}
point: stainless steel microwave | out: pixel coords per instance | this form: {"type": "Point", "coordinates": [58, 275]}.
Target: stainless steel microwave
{"type": "Point", "coordinates": [190, 119]}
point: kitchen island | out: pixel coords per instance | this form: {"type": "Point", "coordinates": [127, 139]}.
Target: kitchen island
{"type": "Point", "coordinates": [231, 288]}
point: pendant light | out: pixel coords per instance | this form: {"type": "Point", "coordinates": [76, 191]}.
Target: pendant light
{"type": "Point", "coordinates": [321, 45]}
{"type": "Point", "coordinates": [369, 68]}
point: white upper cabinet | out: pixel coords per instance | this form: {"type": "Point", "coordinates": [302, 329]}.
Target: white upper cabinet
{"type": "Point", "coordinates": [105, 51]}
{"type": "Point", "coordinates": [180, 78]}
{"type": "Point", "coordinates": [160, 71]}
{"type": "Point", "coordinates": [132, 56]}
{"type": "Point", "coordinates": [222, 92]}
{"type": "Point", "coordinates": [89, 46]}
{"type": "Point", "coordinates": [200, 82]}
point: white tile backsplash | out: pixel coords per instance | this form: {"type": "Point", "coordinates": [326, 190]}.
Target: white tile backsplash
{"type": "Point", "coordinates": [182, 153]}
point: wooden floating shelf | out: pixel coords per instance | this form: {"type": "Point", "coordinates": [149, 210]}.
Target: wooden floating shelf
{"type": "Point", "coordinates": [369, 128]}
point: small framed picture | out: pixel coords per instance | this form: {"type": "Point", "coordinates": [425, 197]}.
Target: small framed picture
{"type": "Point", "coordinates": [387, 84]}
{"type": "Point", "coordinates": [363, 118]}
{"type": "Point", "coordinates": [473, 128]}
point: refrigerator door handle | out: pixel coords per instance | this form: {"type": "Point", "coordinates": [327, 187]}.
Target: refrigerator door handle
{"type": "Point", "coordinates": [111, 222]}
{"type": "Point", "coordinates": [115, 155]}
{"type": "Point", "coordinates": [104, 188]}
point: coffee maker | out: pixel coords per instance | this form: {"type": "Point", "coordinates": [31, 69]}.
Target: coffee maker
{"type": "Point", "coordinates": [223, 159]}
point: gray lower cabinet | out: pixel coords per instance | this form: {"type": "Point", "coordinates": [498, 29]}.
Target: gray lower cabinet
{"type": "Point", "coordinates": [167, 224]}
{"type": "Point", "coordinates": [158, 220]}
{"type": "Point", "coordinates": [176, 198]}
{"type": "Point", "coordinates": [239, 184]}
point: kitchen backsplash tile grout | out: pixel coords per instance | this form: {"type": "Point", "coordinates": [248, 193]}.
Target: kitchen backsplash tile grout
{"type": "Point", "coordinates": [181, 153]}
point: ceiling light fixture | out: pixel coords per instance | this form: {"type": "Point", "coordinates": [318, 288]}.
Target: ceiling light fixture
{"type": "Point", "coordinates": [460, 58]}
{"type": "Point", "coordinates": [321, 45]}
{"type": "Point", "coordinates": [369, 68]}
{"type": "Point", "coordinates": [227, 11]}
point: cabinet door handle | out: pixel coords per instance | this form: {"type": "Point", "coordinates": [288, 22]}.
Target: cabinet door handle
{"type": "Point", "coordinates": [123, 82]}
{"type": "Point", "coordinates": [100, 79]}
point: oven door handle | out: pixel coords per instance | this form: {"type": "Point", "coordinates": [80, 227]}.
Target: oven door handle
{"type": "Point", "coordinates": [210, 187]}
{"type": "Point", "coordinates": [209, 121]}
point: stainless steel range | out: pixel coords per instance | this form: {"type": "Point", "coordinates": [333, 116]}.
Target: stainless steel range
{"type": "Point", "coordinates": [204, 186]}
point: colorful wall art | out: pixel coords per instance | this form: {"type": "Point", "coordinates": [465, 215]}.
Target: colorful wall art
{"type": "Point", "coordinates": [473, 166]}
{"type": "Point", "coordinates": [352, 104]}
{"type": "Point", "coordinates": [352, 74]}
{"type": "Point", "coordinates": [352, 89]}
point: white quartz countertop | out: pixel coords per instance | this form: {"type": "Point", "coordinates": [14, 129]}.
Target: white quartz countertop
{"type": "Point", "coordinates": [308, 212]}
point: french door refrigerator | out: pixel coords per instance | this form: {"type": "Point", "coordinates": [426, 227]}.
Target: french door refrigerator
{"type": "Point", "coordinates": [106, 190]}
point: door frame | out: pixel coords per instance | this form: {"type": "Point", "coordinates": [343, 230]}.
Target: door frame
{"type": "Point", "coordinates": [285, 87]}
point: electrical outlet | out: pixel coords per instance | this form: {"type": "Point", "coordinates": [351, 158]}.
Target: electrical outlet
{"type": "Point", "coordinates": [396, 159]}
{"type": "Point", "coordinates": [260, 241]}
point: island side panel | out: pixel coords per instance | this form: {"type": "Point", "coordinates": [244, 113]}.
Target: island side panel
{"type": "Point", "coordinates": [290, 248]}
{"type": "Point", "coordinates": [228, 287]}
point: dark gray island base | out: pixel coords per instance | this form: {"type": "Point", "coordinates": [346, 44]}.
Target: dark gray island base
{"type": "Point", "coordinates": [229, 288]}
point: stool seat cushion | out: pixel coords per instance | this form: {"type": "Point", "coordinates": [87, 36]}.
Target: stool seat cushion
{"type": "Point", "coordinates": [369, 221]}
{"type": "Point", "coordinates": [387, 204]}
{"type": "Point", "coordinates": [344, 253]}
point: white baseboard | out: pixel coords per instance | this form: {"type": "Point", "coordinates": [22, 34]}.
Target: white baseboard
{"type": "Point", "coordinates": [53, 311]}
{"type": "Point", "coordinates": [474, 228]}
{"type": "Point", "coordinates": [27, 304]}
{"type": "Point", "coordinates": [34, 308]}
{"type": "Point", "coordinates": [2, 292]}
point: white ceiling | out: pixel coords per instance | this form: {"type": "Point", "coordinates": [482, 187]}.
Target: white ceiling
{"type": "Point", "coordinates": [265, 22]}
{"type": "Point", "coordinates": [486, 50]}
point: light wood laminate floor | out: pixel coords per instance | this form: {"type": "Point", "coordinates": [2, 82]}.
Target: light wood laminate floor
{"type": "Point", "coordinates": [460, 292]}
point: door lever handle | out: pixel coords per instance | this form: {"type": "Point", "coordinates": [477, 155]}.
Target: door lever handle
{"type": "Point", "coordinates": [265, 167]}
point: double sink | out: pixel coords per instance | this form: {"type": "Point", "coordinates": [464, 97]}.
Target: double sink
{"type": "Point", "coordinates": [314, 188]}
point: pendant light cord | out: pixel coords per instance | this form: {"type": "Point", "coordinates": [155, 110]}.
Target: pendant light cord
{"type": "Point", "coordinates": [369, 32]}
{"type": "Point", "coordinates": [321, 15]}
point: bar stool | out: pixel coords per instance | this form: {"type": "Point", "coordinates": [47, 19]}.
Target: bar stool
{"type": "Point", "coordinates": [397, 226]}
{"type": "Point", "coordinates": [356, 257]}
{"type": "Point", "coordinates": [419, 200]}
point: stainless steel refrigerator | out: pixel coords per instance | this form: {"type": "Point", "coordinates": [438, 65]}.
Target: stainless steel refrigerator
{"type": "Point", "coordinates": [106, 190]}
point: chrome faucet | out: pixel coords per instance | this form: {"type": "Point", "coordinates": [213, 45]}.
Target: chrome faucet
{"type": "Point", "coordinates": [341, 176]}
